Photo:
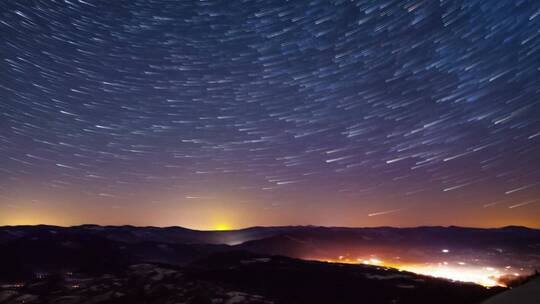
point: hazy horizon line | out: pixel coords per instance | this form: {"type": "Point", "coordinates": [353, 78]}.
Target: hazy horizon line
{"type": "Point", "coordinates": [277, 226]}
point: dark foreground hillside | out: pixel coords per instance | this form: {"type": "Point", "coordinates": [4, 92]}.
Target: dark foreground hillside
{"type": "Point", "coordinates": [241, 277]}
{"type": "Point", "coordinates": [528, 293]}
{"type": "Point", "coordinates": [93, 264]}
{"type": "Point", "coordinates": [287, 280]}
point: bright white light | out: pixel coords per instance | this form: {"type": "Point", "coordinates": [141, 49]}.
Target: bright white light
{"type": "Point", "coordinates": [372, 261]}
{"type": "Point", "coordinates": [485, 276]}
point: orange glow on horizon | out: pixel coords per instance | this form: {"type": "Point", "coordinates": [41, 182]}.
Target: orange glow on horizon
{"type": "Point", "coordinates": [222, 227]}
{"type": "Point", "coordinates": [204, 210]}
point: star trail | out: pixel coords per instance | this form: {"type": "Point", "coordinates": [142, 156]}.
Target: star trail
{"type": "Point", "coordinates": [240, 113]}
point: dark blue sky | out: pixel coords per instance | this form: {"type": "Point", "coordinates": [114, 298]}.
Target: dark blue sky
{"type": "Point", "coordinates": [270, 112]}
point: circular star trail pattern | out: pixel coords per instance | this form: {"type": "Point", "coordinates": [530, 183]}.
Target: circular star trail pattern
{"type": "Point", "coordinates": [375, 110]}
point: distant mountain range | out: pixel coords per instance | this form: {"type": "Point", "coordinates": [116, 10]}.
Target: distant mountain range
{"type": "Point", "coordinates": [177, 245]}
{"type": "Point", "coordinates": [180, 235]}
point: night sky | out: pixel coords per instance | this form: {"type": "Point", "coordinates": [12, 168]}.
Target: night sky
{"type": "Point", "coordinates": [227, 114]}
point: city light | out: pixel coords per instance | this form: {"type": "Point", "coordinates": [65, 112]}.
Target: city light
{"type": "Point", "coordinates": [486, 276]}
